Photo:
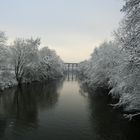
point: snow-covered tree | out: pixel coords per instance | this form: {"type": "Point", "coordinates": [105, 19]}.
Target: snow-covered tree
{"type": "Point", "coordinates": [50, 65]}
{"type": "Point", "coordinates": [2, 38]}
{"type": "Point", "coordinates": [24, 53]}
{"type": "Point", "coordinates": [27, 61]}
{"type": "Point", "coordinates": [3, 49]}
{"type": "Point", "coordinates": [117, 65]}
{"type": "Point", "coordinates": [99, 68]}
{"type": "Point", "coordinates": [127, 83]}
{"type": "Point", "coordinates": [128, 33]}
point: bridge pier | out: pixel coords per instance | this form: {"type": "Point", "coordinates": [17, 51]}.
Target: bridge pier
{"type": "Point", "coordinates": [71, 66]}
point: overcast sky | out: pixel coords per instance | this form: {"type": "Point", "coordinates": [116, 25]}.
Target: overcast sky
{"type": "Point", "coordinates": [71, 27]}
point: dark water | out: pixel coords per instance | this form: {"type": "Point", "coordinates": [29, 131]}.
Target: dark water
{"type": "Point", "coordinates": [61, 110]}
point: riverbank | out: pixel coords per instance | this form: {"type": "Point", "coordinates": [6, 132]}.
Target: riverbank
{"type": "Point", "coordinates": [8, 80]}
{"type": "Point", "coordinates": [130, 110]}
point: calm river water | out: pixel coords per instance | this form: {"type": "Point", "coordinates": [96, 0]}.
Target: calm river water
{"type": "Point", "coordinates": [61, 110]}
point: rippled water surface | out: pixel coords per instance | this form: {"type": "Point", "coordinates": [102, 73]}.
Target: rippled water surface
{"type": "Point", "coordinates": [61, 110]}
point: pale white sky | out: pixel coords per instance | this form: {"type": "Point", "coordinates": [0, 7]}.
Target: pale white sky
{"type": "Point", "coordinates": [71, 27]}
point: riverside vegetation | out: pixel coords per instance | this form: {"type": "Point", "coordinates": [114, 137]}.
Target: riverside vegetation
{"type": "Point", "coordinates": [23, 62]}
{"type": "Point", "coordinates": [115, 65]}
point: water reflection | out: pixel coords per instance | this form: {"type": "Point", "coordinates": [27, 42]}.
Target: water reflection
{"type": "Point", "coordinates": [52, 111]}
{"type": "Point", "coordinates": [71, 76]}
{"type": "Point", "coordinates": [2, 125]}
{"type": "Point", "coordinates": [107, 123]}
{"type": "Point", "coordinates": [19, 107]}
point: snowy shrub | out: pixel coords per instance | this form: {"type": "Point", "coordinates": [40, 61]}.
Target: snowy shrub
{"type": "Point", "coordinates": [7, 79]}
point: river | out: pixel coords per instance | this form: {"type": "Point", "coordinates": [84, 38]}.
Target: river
{"type": "Point", "coordinates": [61, 110]}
